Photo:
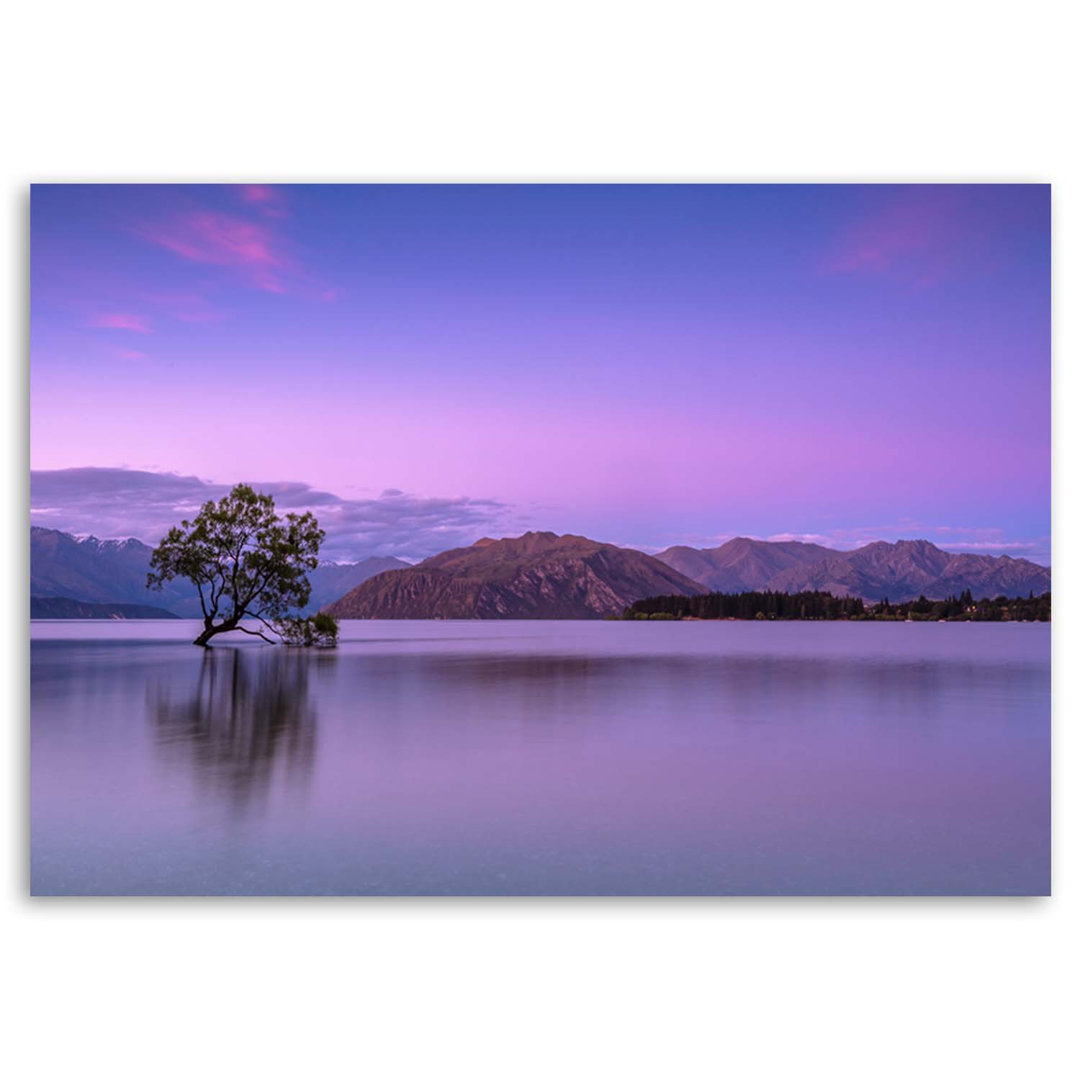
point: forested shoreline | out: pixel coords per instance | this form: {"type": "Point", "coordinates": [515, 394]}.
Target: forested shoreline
{"type": "Point", "coordinates": [824, 606]}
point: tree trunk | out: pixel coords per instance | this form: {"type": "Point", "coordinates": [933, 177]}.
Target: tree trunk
{"type": "Point", "coordinates": [209, 630]}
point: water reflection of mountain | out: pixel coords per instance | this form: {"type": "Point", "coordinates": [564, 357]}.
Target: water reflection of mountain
{"type": "Point", "coordinates": [247, 724]}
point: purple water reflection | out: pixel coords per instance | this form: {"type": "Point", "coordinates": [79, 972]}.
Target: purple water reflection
{"type": "Point", "coordinates": [544, 758]}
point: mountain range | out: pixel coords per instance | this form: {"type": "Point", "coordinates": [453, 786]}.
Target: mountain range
{"type": "Point", "coordinates": [900, 571]}
{"type": "Point", "coordinates": [742, 565]}
{"type": "Point", "coordinates": [544, 576]}
{"type": "Point", "coordinates": [535, 576]}
{"type": "Point", "coordinates": [95, 571]}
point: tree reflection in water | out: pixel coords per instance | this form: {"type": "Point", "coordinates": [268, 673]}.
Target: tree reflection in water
{"type": "Point", "coordinates": [249, 719]}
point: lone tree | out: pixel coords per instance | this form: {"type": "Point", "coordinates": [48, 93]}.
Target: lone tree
{"type": "Point", "coordinates": [247, 563]}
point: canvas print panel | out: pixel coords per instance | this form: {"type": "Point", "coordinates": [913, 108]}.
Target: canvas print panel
{"type": "Point", "coordinates": [540, 540]}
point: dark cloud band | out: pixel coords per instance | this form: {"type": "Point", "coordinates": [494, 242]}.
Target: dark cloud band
{"type": "Point", "coordinates": [128, 502]}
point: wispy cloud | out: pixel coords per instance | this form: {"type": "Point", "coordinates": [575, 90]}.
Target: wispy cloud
{"type": "Point", "coordinates": [801, 538]}
{"type": "Point", "coordinates": [122, 321]}
{"type": "Point", "coordinates": [129, 502]}
{"type": "Point", "coordinates": [910, 238]}
{"type": "Point", "coordinates": [129, 354]}
{"type": "Point", "coordinates": [251, 244]}
{"type": "Point", "coordinates": [267, 199]}
{"type": "Point", "coordinates": [207, 236]}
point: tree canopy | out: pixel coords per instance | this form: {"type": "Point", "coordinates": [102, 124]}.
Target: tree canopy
{"type": "Point", "coordinates": [246, 563]}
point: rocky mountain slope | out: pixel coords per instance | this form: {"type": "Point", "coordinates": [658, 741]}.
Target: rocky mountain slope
{"type": "Point", "coordinates": [742, 565]}
{"type": "Point", "coordinates": [114, 571]}
{"type": "Point", "coordinates": [900, 571]}
{"type": "Point", "coordinates": [97, 571]}
{"type": "Point", "coordinates": [535, 576]}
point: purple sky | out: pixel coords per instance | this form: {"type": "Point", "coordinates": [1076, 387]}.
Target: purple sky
{"type": "Point", "coordinates": [647, 365]}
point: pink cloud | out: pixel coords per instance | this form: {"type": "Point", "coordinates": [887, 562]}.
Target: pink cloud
{"type": "Point", "coordinates": [913, 238]}
{"type": "Point", "coordinates": [266, 199]}
{"type": "Point", "coordinates": [255, 250]}
{"type": "Point", "coordinates": [122, 321]}
{"type": "Point", "coordinates": [129, 354]}
{"type": "Point", "coordinates": [220, 240]}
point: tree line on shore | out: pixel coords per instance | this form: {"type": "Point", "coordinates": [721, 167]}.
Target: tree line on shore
{"type": "Point", "coordinates": [824, 606]}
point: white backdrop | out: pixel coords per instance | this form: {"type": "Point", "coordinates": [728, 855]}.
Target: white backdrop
{"type": "Point", "coordinates": [529, 91]}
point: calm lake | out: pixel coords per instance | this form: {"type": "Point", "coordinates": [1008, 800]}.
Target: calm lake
{"type": "Point", "coordinates": [543, 758]}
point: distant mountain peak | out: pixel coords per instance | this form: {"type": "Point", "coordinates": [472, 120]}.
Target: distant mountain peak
{"type": "Point", "coordinates": [537, 575]}
{"type": "Point", "coordinates": [901, 570]}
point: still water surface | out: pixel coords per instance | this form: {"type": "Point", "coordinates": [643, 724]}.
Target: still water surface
{"type": "Point", "coordinates": [543, 758]}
